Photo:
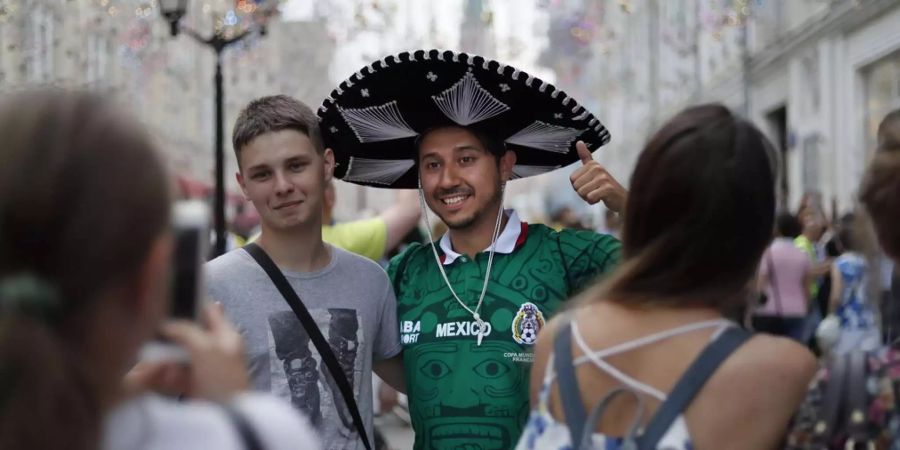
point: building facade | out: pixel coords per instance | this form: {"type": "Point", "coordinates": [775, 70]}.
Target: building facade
{"type": "Point", "coordinates": [820, 87]}
{"type": "Point", "coordinates": [816, 76]}
{"type": "Point", "coordinates": [123, 48]}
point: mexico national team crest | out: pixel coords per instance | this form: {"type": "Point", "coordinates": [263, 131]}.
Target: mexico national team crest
{"type": "Point", "coordinates": [527, 324]}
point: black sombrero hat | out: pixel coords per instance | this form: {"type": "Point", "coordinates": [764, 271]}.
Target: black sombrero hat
{"type": "Point", "coordinates": [372, 120]}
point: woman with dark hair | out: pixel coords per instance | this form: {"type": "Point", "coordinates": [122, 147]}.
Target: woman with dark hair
{"type": "Point", "coordinates": [84, 261]}
{"type": "Point", "coordinates": [699, 216]}
{"type": "Point", "coordinates": [784, 278]}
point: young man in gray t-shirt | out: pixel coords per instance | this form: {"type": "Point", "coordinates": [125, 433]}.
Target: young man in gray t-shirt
{"type": "Point", "coordinates": [284, 169]}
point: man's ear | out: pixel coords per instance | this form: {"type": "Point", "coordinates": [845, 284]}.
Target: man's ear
{"type": "Point", "coordinates": [507, 162]}
{"type": "Point", "coordinates": [329, 164]}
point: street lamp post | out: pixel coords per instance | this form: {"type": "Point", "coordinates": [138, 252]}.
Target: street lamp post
{"type": "Point", "coordinates": [173, 11]}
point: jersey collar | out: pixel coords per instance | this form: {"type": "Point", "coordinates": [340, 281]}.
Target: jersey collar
{"type": "Point", "coordinates": [511, 238]}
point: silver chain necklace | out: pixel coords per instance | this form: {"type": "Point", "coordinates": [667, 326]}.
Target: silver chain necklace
{"type": "Point", "coordinates": [475, 315]}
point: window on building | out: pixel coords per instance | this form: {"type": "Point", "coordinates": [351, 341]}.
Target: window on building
{"type": "Point", "coordinates": [809, 65]}
{"type": "Point", "coordinates": [777, 121]}
{"type": "Point", "coordinates": [40, 53]}
{"type": "Point", "coordinates": [98, 48]}
{"type": "Point", "coordinates": [882, 94]}
{"type": "Point", "coordinates": [768, 23]}
{"type": "Point", "coordinates": [811, 163]}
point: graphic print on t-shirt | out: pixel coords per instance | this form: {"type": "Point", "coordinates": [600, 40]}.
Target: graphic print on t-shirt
{"type": "Point", "coordinates": [298, 373]}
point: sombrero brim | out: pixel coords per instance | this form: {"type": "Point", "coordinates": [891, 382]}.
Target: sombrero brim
{"type": "Point", "coordinates": [371, 121]}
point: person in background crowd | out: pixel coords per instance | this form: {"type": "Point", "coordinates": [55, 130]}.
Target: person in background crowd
{"type": "Point", "coordinates": [375, 237]}
{"type": "Point", "coordinates": [693, 236]}
{"type": "Point", "coordinates": [613, 223]}
{"type": "Point", "coordinates": [810, 206]}
{"type": "Point", "coordinates": [564, 217]}
{"type": "Point", "coordinates": [784, 279]}
{"type": "Point", "coordinates": [849, 299]}
{"type": "Point", "coordinates": [75, 312]}
{"type": "Point", "coordinates": [830, 248]}
{"type": "Point", "coordinates": [814, 230]}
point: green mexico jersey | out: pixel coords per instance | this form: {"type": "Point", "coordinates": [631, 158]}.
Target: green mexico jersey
{"type": "Point", "coordinates": [462, 395]}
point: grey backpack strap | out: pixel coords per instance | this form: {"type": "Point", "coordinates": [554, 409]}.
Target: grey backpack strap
{"type": "Point", "coordinates": [567, 382]}
{"type": "Point", "coordinates": [629, 442]}
{"type": "Point", "coordinates": [690, 384]}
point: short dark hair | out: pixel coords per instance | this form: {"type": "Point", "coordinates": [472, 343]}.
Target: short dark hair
{"type": "Point", "coordinates": [788, 225]}
{"type": "Point", "coordinates": [700, 213]}
{"type": "Point", "coordinates": [493, 145]}
{"type": "Point", "coordinates": [271, 114]}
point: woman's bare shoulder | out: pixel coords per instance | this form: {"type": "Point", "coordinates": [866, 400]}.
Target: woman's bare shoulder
{"type": "Point", "coordinates": [764, 380]}
{"type": "Point", "coordinates": [766, 357]}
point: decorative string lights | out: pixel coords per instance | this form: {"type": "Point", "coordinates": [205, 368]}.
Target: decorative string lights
{"type": "Point", "coordinates": [8, 9]}
{"type": "Point", "coordinates": [585, 29]}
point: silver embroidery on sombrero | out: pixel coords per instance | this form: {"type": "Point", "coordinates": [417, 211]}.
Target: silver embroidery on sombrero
{"type": "Point", "coordinates": [523, 171]}
{"type": "Point", "coordinates": [377, 171]}
{"type": "Point", "coordinates": [466, 102]}
{"type": "Point", "coordinates": [544, 136]}
{"type": "Point", "coordinates": [603, 133]}
{"type": "Point", "coordinates": [377, 123]}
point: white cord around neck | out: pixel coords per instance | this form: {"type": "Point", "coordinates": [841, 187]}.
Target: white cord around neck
{"type": "Point", "coordinates": [487, 276]}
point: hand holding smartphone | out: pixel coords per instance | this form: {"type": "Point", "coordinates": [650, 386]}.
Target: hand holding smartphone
{"type": "Point", "coordinates": [190, 230]}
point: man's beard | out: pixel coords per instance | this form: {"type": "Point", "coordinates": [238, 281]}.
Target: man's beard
{"type": "Point", "coordinates": [466, 222]}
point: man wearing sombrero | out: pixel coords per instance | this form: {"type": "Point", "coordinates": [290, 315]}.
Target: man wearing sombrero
{"type": "Point", "coordinates": [471, 306]}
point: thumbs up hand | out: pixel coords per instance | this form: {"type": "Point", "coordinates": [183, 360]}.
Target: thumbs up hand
{"type": "Point", "coordinates": [594, 184]}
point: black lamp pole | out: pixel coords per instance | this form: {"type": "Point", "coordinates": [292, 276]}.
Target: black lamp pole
{"type": "Point", "coordinates": [218, 42]}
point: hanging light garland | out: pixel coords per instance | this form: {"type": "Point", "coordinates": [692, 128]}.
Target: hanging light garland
{"type": "Point", "coordinates": [8, 9]}
{"type": "Point", "coordinates": [724, 14]}
{"type": "Point", "coordinates": [136, 37]}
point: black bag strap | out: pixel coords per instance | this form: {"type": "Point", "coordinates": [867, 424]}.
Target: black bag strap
{"type": "Point", "coordinates": [690, 384]}
{"type": "Point", "coordinates": [244, 429]}
{"type": "Point", "coordinates": [315, 335]}
{"type": "Point", "coordinates": [567, 382]}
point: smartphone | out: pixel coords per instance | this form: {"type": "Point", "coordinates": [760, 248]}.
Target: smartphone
{"type": "Point", "coordinates": [190, 232]}
{"type": "Point", "coordinates": [190, 229]}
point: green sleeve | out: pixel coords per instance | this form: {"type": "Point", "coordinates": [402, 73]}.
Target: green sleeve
{"type": "Point", "coordinates": [588, 255]}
